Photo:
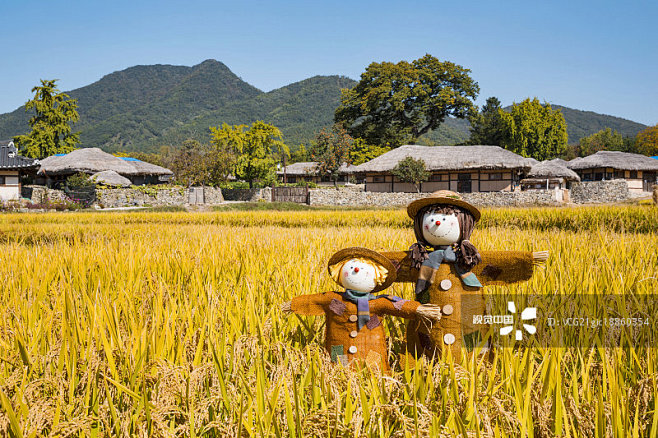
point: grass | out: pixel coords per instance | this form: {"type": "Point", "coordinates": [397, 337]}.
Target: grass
{"type": "Point", "coordinates": [168, 324]}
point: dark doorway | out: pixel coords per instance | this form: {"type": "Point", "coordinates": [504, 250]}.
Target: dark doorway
{"type": "Point", "coordinates": [649, 181]}
{"type": "Point", "coordinates": [464, 183]}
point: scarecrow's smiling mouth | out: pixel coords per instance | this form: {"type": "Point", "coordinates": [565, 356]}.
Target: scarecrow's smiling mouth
{"type": "Point", "coordinates": [437, 235]}
{"type": "Point", "coordinates": [359, 281]}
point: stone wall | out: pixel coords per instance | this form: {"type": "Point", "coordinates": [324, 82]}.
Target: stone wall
{"type": "Point", "coordinates": [599, 192]}
{"type": "Point", "coordinates": [213, 195]}
{"type": "Point", "coordinates": [350, 197]}
{"type": "Point", "coordinates": [248, 195]}
{"type": "Point", "coordinates": [146, 196]}
{"type": "Point", "coordinates": [41, 194]}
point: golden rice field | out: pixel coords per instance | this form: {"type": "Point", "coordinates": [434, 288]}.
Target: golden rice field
{"type": "Point", "coordinates": [168, 324]}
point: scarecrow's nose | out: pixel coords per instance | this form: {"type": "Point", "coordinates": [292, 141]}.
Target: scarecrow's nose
{"type": "Point", "coordinates": [356, 270]}
{"type": "Point", "coordinates": [438, 222]}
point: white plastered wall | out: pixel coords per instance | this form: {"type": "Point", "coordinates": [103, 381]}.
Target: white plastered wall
{"type": "Point", "coordinates": [11, 189]}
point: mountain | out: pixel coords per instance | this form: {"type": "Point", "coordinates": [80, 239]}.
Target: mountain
{"type": "Point", "coordinates": [143, 107]}
{"type": "Point", "coordinates": [583, 123]}
{"type": "Point", "coordinates": [299, 109]}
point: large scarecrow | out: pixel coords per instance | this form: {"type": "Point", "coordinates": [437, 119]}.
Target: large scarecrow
{"type": "Point", "coordinates": [448, 271]}
{"type": "Point", "coordinates": [353, 330]}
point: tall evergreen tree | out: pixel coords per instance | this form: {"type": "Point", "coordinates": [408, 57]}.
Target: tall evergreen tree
{"type": "Point", "coordinates": [486, 126]}
{"type": "Point", "coordinates": [52, 131]}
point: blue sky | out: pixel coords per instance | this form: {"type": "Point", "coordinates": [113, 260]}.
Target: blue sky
{"type": "Point", "coordinates": [600, 56]}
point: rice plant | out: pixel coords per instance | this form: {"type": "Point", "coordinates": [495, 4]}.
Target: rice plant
{"type": "Point", "coordinates": [168, 324]}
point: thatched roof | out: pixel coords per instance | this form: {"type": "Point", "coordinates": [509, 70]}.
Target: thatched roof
{"type": "Point", "coordinates": [93, 160]}
{"type": "Point", "coordinates": [302, 168]}
{"type": "Point", "coordinates": [449, 158]}
{"type": "Point", "coordinates": [10, 160]}
{"type": "Point", "coordinates": [110, 178]}
{"type": "Point", "coordinates": [309, 168]}
{"type": "Point", "coordinates": [147, 168]}
{"type": "Point", "coordinates": [614, 159]}
{"type": "Point", "coordinates": [552, 169]}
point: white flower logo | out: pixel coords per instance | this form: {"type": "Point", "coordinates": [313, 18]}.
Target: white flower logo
{"type": "Point", "coordinates": [527, 314]}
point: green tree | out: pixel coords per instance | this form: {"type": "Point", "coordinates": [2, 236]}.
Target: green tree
{"type": "Point", "coordinates": [647, 141]}
{"type": "Point", "coordinates": [534, 130]}
{"type": "Point", "coordinates": [395, 104]}
{"type": "Point", "coordinates": [253, 152]}
{"type": "Point", "coordinates": [362, 152]}
{"type": "Point", "coordinates": [300, 155]}
{"type": "Point", "coordinates": [486, 126]}
{"type": "Point", "coordinates": [51, 126]}
{"type": "Point", "coordinates": [604, 140]}
{"type": "Point", "coordinates": [331, 150]}
{"type": "Point", "coordinates": [411, 171]}
{"type": "Point", "coordinates": [189, 164]}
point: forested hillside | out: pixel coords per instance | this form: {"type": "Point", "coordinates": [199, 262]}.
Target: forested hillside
{"type": "Point", "coordinates": [143, 107]}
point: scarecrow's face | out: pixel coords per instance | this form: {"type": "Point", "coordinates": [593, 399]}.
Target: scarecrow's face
{"type": "Point", "coordinates": [358, 276]}
{"type": "Point", "coordinates": [440, 228]}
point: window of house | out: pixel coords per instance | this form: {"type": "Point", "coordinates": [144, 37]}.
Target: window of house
{"type": "Point", "coordinates": [2, 180]}
{"type": "Point", "coordinates": [619, 174]}
{"type": "Point", "coordinates": [495, 176]}
{"type": "Point", "coordinates": [633, 174]}
{"type": "Point", "coordinates": [438, 177]}
{"type": "Point", "coordinates": [598, 176]}
{"type": "Point", "coordinates": [378, 178]}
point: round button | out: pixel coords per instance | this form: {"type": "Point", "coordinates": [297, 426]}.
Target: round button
{"type": "Point", "coordinates": [445, 284]}
{"type": "Point", "coordinates": [352, 349]}
{"type": "Point", "coordinates": [449, 338]}
{"type": "Point", "coordinates": [447, 309]}
{"type": "Point", "coordinates": [353, 334]}
{"type": "Point", "coordinates": [353, 318]}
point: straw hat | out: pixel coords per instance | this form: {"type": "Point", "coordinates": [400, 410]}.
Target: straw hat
{"type": "Point", "coordinates": [356, 252]}
{"type": "Point", "coordinates": [442, 197]}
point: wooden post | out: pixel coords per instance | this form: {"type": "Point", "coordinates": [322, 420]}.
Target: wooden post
{"type": "Point", "coordinates": [285, 176]}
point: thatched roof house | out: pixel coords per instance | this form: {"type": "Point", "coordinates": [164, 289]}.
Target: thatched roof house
{"type": "Point", "coordinates": [299, 169]}
{"type": "Point", "coordinates": [639, 171]}
{"type": "Point", "coordinates": [94, 160]}
{"type": "Point", "coordinates": [110, 178]}
{"type": "Point", "coordinates": [307, 171]}
{"type": "Point", "coordinates": [549, 174]}
{"type": "Point", "coordinates": [12, 166]}
{"type": "Point", "coordinates": [457, 168]}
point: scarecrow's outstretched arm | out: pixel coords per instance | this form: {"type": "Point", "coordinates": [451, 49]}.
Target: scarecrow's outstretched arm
{"type": "Point", "coordinates": [505, 267]}
{"type": "Point", "coordinates": [308, 304]}
{"type": "Point", "coordinates": [496, 268]}
{"type": "Point", "coordinates": [402, 263]}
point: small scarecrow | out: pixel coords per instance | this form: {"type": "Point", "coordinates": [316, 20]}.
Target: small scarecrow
{"type": "Point", "coordinates": [448, 271]}
{"type": "Point", "coordinates": [354, 331]}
